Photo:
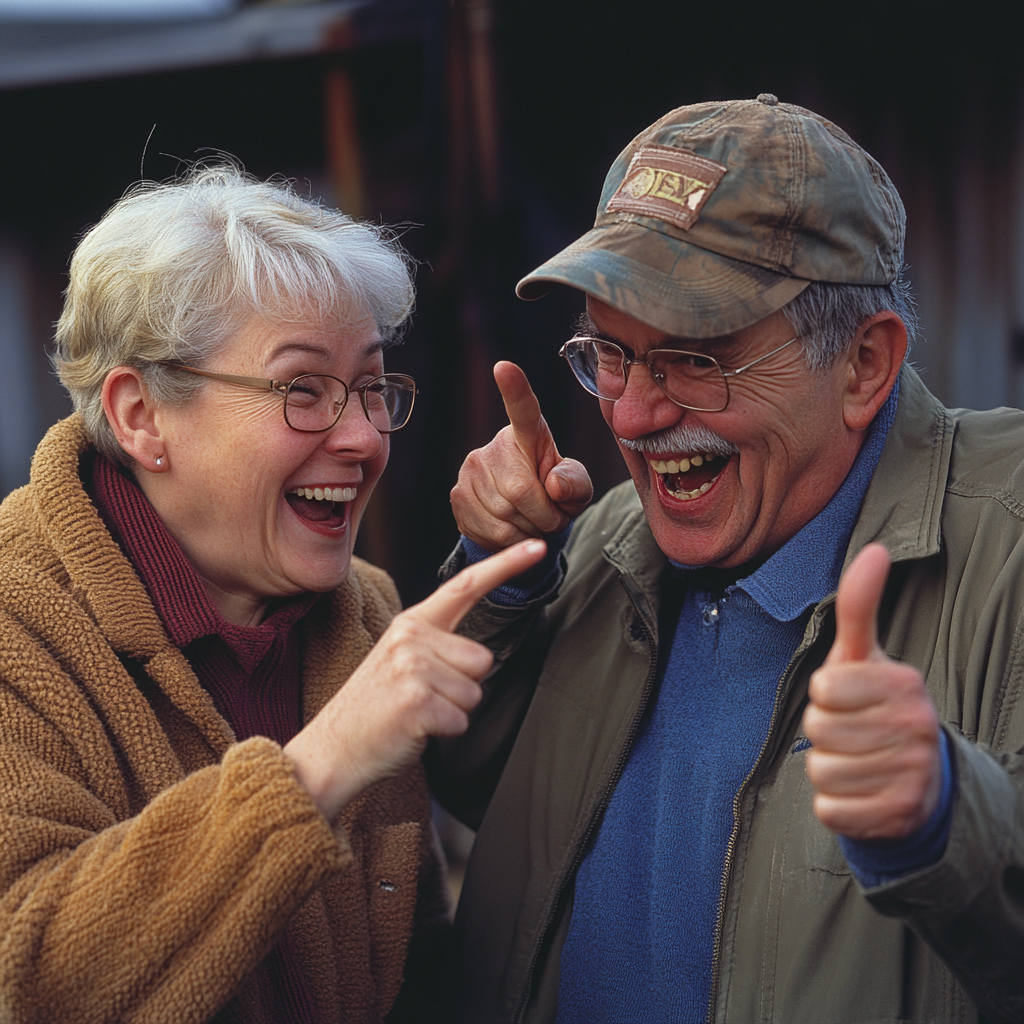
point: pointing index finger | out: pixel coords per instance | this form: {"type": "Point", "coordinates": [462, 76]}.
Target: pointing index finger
{"type": "Point", "coordinates": [452, 601]}
{"type": "Point", "coordinates": [528, 424]}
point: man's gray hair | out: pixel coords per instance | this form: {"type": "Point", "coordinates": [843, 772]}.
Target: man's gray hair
{"type": "Point", "coordinates": [826, 316]}
{"type": "Point", "coordinates": [175, 269]}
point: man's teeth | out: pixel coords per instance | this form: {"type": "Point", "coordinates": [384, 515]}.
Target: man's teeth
{"type": "Point", "coordinates": [326, 493]}
{"type": "Point", "coordinates": [670, 467]}
{"type": "Point", "coordinates": [682, 466]}
{"type": "Point", "coordinates": [695, 493]}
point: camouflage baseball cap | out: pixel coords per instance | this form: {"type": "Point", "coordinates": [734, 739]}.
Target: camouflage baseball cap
{"type": "Point", "coordinates": [720, 213]}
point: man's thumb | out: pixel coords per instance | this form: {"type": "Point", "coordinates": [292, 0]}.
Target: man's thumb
{"type": "Point", "coordinates": [568, 485]}
{"type": "Point", "coordinates": [857, 603]}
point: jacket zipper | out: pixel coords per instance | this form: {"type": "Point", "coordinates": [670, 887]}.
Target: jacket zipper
{"type": "Point", "coordinates": [730, 849]}
{"type": "Point", "coordinates": [616, 773]}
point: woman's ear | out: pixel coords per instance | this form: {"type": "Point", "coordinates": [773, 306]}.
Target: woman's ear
{"type": "Point", "coordinates": [873, 364]}
{"type": "Point", "coordinates": [132, 415]}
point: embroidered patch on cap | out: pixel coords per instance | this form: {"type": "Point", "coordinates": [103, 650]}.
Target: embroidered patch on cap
{"type": "Point", "coordinates": [670, 184]}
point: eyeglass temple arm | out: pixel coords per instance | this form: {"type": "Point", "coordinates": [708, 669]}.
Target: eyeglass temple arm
{"type": "Point", "coordinates": [266, 384]}
{"type": "Point", "coordinates": [257, 383]}
{"type": "Point", "coordinates": [759, 359]}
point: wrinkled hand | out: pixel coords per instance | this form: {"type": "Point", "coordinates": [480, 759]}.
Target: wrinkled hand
{"type": "Point", "coordinates": [419, 680]}
{"type": "Point", "coordinates": [875, 762]}
{"type": "Point", "coordinates": [518, 486]}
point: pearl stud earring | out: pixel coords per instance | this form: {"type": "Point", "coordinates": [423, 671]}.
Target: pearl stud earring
{"type": "Point", "coordinates": [159, 460]}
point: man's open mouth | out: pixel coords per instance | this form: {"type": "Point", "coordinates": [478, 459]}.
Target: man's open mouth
{"type": "Point", "coordinates": [689, 476]}
{"type": "Point", "coordinates": [324, 506]}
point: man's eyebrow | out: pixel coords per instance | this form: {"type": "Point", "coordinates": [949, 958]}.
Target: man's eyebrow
{"type": "Point", "coordinates": [585, 327]}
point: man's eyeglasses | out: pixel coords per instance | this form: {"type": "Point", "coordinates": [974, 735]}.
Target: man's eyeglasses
{"type": "Point", "coordinates": [314, 402]}
{"type": "Point", "coordinates": [691, 379]}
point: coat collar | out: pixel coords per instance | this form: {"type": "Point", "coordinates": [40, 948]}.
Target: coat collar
{"type": "Point", "coordinates": [100, 575]}
{"type": "Point", "coordinates": [104, 582]}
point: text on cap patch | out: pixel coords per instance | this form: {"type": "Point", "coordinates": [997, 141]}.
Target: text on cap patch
{"type": "Point", "coordinates": [670, 184]}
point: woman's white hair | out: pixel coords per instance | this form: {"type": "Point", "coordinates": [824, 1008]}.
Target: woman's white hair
{"type": "Point", "coordinates": [175, 268]}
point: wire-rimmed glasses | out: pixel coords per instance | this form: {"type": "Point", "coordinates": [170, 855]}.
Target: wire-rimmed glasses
{"type": "Point", "coordinates": [314, 402]}
{"type": "Point", "coordinates": [692, 380]}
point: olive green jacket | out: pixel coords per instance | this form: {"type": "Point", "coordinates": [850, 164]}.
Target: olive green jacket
{"type": "Point", "coordinates": [798, 940]}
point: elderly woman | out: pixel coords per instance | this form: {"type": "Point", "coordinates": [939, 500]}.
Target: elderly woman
{"type": "Point", "coordinates": [197, 820]}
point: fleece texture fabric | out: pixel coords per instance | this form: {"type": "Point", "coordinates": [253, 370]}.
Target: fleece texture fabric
{"type": "Point", "coordinates": [148, 860]}
{"type": "Point", "coordinates": [253, 673]}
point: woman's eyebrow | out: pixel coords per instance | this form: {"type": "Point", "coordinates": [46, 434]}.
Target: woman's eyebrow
{"type": "Point", "coordinates": [305, 347]}
{"type": "Point", "coordinates": [319, 351]}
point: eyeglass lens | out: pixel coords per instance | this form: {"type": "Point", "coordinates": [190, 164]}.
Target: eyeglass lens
{"type": "Point", "coordinates": [314, 402]}
{"type": "Point", "coordinates": [693, 380]}
{"type": "Point", "coordinates": [388, 401]}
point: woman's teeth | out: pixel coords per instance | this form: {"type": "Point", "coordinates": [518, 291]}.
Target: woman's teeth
{"type": "Point", "coordinates": [326, 493]}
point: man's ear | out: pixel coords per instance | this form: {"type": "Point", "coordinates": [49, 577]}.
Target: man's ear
{"type": "Point", "coordinates": [132, 415]}
{"type": "Point", "coordinates": [873, 363]}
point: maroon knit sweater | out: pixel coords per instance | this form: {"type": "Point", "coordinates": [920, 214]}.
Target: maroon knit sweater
{"type": "Point", "coordinates": [253, 673]}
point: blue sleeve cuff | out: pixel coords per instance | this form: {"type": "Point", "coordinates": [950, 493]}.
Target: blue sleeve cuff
{"type": "Point", "coordinates": [518, 591]}
{"type": "Point", "coordinates": [877, 863]}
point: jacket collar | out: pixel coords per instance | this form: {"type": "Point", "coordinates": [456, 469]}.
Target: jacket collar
{"type": "Point", "coordinates": [902, 508]}
{"type": "Point", "coordinates": [636, 557]}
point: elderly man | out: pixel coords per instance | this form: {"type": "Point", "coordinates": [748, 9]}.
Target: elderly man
{"type": "Point", "coordinates": [704, 789]}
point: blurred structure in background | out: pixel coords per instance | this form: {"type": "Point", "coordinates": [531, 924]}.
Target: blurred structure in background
{"type": "Point", "coordinates": [386, 108]}
{"type": "Point", "coordinates": [483, 129]}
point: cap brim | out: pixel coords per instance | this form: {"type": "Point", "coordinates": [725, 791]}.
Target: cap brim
{"type": "Point", "coordinates": [679, 288]}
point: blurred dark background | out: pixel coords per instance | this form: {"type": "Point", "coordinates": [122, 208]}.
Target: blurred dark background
{"type": "Point", "coordinates": [484, 129]}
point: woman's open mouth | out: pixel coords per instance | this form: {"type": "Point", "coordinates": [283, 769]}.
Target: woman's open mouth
{"type": "Point", "coordinates": [690, 475]}
{"type": "Point", "coordinates": [321, 506]}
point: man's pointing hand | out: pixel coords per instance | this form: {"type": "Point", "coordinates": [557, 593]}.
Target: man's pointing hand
{"type": "Point", "coordinates": [875, 762]}
{"type": "Point", "coordinates": [518, 486]}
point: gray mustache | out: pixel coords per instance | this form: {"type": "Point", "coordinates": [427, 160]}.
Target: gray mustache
{"type": "Point", "coordinates": [682, 438]}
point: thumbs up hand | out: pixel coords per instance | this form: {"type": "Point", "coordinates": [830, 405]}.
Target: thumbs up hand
{"type": "Point", "coordinates": [518, 486]}
{"type": "Point", "coordinates": [874, 763]}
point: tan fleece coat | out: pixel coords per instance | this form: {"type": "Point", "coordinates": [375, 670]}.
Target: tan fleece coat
{"type": "Point", "coordinates": [147, 860]}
